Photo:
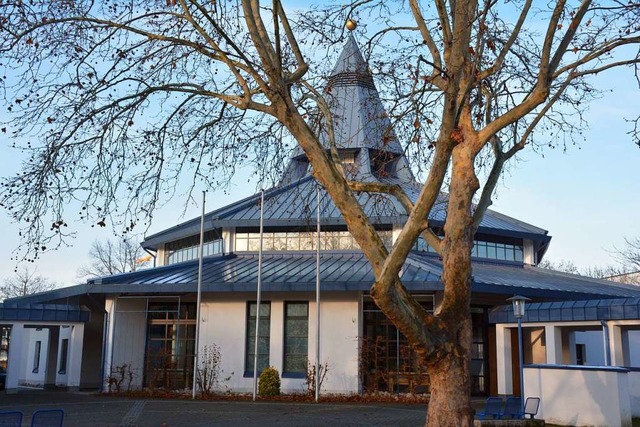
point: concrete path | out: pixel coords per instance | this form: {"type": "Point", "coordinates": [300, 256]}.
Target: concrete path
{"type": "Point", "coordinates": [85, 410]}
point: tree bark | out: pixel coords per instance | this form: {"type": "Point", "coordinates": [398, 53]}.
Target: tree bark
{"type": "Point", "coordinates": [450, 376]}
{"type": "Point", "coordinates": [449, 401]}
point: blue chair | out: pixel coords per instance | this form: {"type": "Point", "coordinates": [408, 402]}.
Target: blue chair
{"type": "Point", "coordinates": [10, 419]}
{"type": "Point", "coordinates": [531, 407]}
{"type": "Point", "coordinates": [47, 418]}
{"type": "Point", "coordinates": [492, 409]}
{"type": "Point", "coordinates": [512, 408]}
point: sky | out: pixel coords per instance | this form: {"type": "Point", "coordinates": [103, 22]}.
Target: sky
{"type": "Point", "coordinates": [588, 197]}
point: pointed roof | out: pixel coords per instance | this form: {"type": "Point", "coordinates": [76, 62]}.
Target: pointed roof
{"type": "Point", "coordinates": [359, 118]}
{"type": "Point", "coordinates": [351, 60]}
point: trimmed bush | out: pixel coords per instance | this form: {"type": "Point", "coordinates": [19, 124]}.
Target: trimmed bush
{"type": "Point", "coordinates": [269, 382]}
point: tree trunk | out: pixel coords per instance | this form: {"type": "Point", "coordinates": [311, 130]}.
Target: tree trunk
{"type": "Point", "coordinates": [450, 376]}
{"type": "Point", "coordinates": [449, 402]}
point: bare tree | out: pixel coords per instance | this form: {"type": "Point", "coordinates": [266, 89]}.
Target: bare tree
{"type": "Point", "coordinates": [117, 101]}
{"type": "Point", "coordinates": [626, 269]}
{"type": "Point", "coordinates": [563, 265]}
{"type": "Point", "coordinates": [629, 256]}
{"type": "Point", "coordinates": [25, 282]}
{"type": "Point", "coordinates": [111, 257]}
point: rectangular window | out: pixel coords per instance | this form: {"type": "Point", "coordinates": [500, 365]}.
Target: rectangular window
{"type": "Point", "coordinates": [64, 350]}
{"type": "Point", "coordinates": [296, 337]}
{"type": "Point", "coordinates": [36, 357]}
{"type": "Point", "coordinates": [170, 345]}
{"type": "Point", "coordinates": [263, 339]}
{"type": "Point", "coordinates": [581, 353]}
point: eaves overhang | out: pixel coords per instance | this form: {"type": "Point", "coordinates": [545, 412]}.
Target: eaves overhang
{"type": "Point", "coordinates": [572, 311]}
{"type": "Point", "coordinates": [24, 312]}
{"type": "Point", "coordinates": [339, 271]}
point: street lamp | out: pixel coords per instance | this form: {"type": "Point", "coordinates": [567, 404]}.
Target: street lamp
{"type": "Point", "coordinates": [519, 302]}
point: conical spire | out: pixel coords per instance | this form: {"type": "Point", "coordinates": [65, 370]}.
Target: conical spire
{"type": "Point", "coordinates": [350, 60]}
{"type": "Point", "coordinates": [363, 131]}
{"type": "Point", "coordinates": [360, 120]}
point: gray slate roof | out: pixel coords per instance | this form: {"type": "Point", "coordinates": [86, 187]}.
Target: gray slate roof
{"type": "Point", "coordinates": [295, 205]}
{"type": "Point", "coordinates": [339, 271]}
{"type": "Point", "coordinates": [361, 124]}
{"type": "Point", "coordinates": [359, 118]}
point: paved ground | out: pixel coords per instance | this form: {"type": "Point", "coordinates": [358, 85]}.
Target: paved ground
{"type": "Point", "coordinates": [84, 410]}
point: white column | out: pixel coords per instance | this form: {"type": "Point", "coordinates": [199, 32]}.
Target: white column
{"type": "Point", "coordinates": [17, 362]}
{"type": "Point", "coordinates": [616, 345]}
{"type": "Point", "coordinates": [553, 340]}
{"type": "Point", "coordinates": [276, 341]}
{"type": "Point", "coordinates": [74, 364]}
{"type": "Point", "coordinates": [503, 359]}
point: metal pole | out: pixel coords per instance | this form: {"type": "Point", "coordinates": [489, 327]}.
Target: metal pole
{"type": "Point", "coordinates": [258, 296]}
{"type": "Point", "coordinates": [397, 361]}
{"type": "Point", "coordinates": [318, 298]}
{"type": "Point", "coordinates": [197, 343]}
{"type": "Point", "coordinates": [521, 363]}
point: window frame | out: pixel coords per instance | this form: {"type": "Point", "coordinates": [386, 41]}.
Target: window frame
{"type": "Point", "coordinates": [302, 373]}
{"type": "Point", "coordinates": [249, 354]}
{"type": "Point", "coordinates": [36, 357]}
{"type": "Point", "coordinates": [64, 355]}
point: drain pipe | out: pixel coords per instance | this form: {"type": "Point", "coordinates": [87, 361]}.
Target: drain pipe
{"type": "Point", "coordinates": [105, 326]}
{"type": "Point", "coordinates": [605, 339]}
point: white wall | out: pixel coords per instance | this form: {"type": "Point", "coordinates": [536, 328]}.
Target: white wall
{"type": "Point", "coordinates": [29, 377]}
{"type": "Point", "coordinates": [594, 345]}
{"type": "Point", "coordinates": [129, 332]}
{"type": "Point", "coordinates": [224, 323]}
{"type": "Point", "coordinates": [634, 393]}
{"type": "Point", "coordinates": [581, 397]}
{"type": "Point", "coordinates": [22, 354]}
{"type": "Point", "coordinates": [65, 333]}
{"type": "Point", "coordinates": [339, 331]}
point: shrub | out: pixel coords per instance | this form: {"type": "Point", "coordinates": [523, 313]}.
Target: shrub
{"type": "Point", "coordinates": [269, 382]}
{"type": "Point", "coordinates": [209, 371]}
{"type": "Point", "coordinates": [310, 379]}
{"type": "Point", "coordinates": [120, 374]}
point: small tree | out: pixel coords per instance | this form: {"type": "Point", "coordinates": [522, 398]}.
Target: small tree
{"type": "Point", "coordinates": [310, 377]}
{"type": "Point", "coordinates": [120, 374]}
{"type": "Point", "coordinates": [25, 282]}
{"type": "Point", "coordinates": [209, 370]}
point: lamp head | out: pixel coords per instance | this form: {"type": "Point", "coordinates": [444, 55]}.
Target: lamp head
{"type": "Point", "coordinates": [518, 302]}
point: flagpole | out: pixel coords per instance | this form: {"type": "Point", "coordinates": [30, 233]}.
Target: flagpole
{"type": "Point", "coordinates": [197, 343]}
{"type": "Point", "coordinates": [258, 296]}
{"type": "Point", "coordinates": [318, 297]}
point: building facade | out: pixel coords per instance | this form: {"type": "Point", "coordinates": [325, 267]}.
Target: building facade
{"type": "Point", "coordinates": [140, 328]}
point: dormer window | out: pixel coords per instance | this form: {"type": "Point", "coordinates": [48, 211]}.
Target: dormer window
{"type": "Point", "coordinates": [348, 157]}
{"type": "Point", "coordinates": [189, 248]}
{"type": "Point", "coordinates": [383, 164]}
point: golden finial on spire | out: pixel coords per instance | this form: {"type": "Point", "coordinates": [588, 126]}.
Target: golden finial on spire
{"type": "Point", "coordinates": [351, 24]}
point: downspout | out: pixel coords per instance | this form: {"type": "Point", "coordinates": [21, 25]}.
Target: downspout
{"type": "Point", "coordinates": [605, 338]}
{"type": "Point", "coordinates": [105, 326]}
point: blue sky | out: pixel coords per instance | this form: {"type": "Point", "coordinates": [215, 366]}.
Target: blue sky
{"type": "Point", "coordinates": [587, 198]}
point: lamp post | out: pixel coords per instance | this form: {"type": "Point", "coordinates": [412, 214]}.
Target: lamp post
{"type": "Point", "coordinates": [519, 302]}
